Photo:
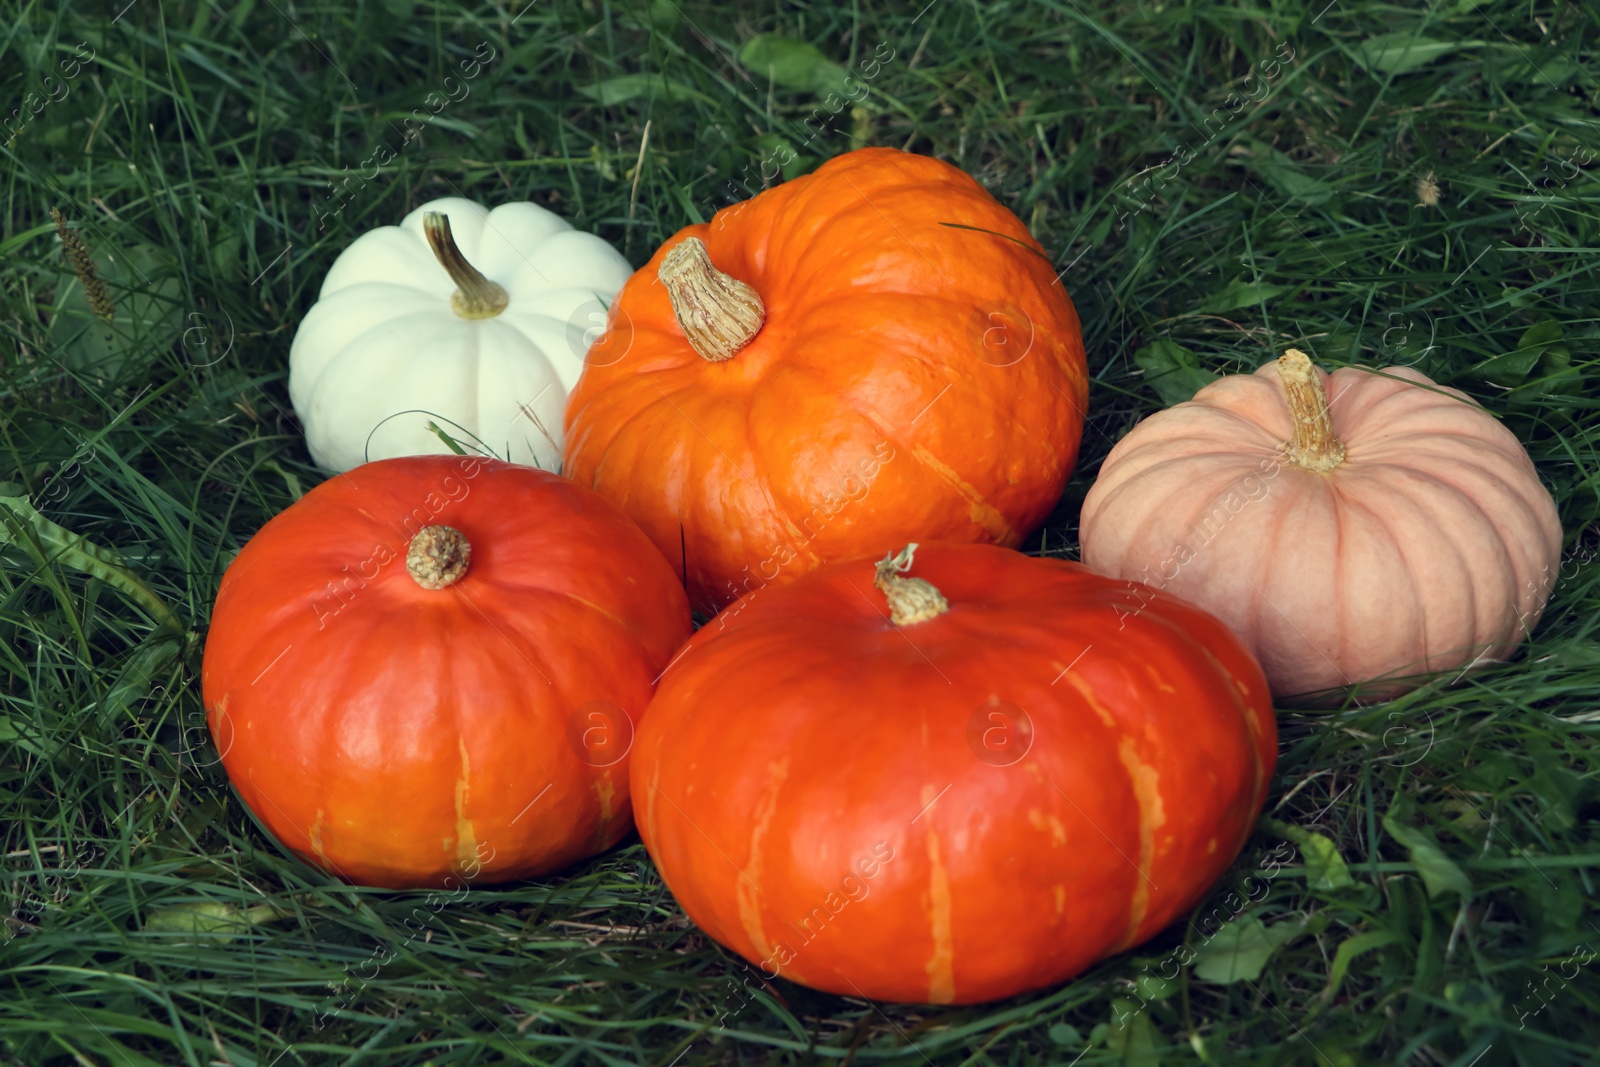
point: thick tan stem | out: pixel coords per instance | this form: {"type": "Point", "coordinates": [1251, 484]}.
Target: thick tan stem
{"type": "Point", "coordinates": [476, 297]}
{"type": "Point", "coordinates": [911, 600]}
{"type": "Point", "coordinates": [438, 556]}
{"type": "Point", "coordinates": [717, 312]}
{"type": "Point", "coordinates": [1314, 445]}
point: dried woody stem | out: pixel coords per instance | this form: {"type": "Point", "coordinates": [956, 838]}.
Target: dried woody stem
{"type": "Point", "coordinates": [717, 312]}
{"type": "Point", "coordinates": [1314, 445]}
{"type": "Point", "coordinates": [476, 297]}
{"type": "Point", "coordinates": [438, 556]}
{"type": "Point", "coordinates": [911, 600]}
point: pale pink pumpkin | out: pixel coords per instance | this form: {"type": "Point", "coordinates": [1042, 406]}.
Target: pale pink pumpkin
{"type": "Point", "coordinates": [1359, 526]}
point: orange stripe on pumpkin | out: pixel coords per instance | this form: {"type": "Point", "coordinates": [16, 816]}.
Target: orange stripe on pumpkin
{"type": "Point", "coordinates": [650, 800]}
{"type": "Point", "coordinates": [941, 965]}
{"type": "Point", "coordinates": [1086, 691]}
{"type": "Point", "coordinates": [316, 836]}
{"type": "Point", "coordinates": [1146, 783]}
{"type": "Point", "coordinates": [466, 841]}
{"type": "Point", "coordinates": [750, 881]}
{"type": "Point", "coordinates": [605, 791]}
{"type": "Point", "coordinates": [983, 513]}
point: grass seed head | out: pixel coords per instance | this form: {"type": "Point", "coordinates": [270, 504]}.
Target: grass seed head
{"type": "Point", "coordinates": [77, 256]}
{"type": "Point", "coordinates": [1427, 191]}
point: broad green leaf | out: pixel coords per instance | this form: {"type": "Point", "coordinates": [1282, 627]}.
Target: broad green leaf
{"type": "Point", "coordinates": [1555, 372]}
{"type": "Point", "coordinates": [1066, 1034]}
{"type": "Point", "coordinates": [793, 64]}
{"type": "Point", "coordinates": [1325, 867]}
{"type": "Point", "coordinates": [225, 253]}
{"type": "Point", "coordinates": [1479, 1004]}
{"type": "Point", "coordinates": [625, 87]}
{"type": "Point", "coordinates": [1172, 371]}
{"type": "Point", "coordinates": [663, 15]}
{"type": "Point", "coordinates": [1239, 951]}
{"type": "Point", "coordinates": [1560, 793]}
{"type": "Point", "coordinates": [778, 157]}
{"type": "Point", "coordinates": [1154, 987]}
{"type": "Point", "coordinates": [1493, 771]}
{"type": "Point", "coordinates": [1546, 332]}
{"type": "Point", "coordinates": [1439, 872]}
{"type": "Point", "coordinates": [1240, 293]}
{"type": "Point", "coordinates": [1404, 51]}
{"type": "Point", "coordinates": [1132, 1037]}
{"type": "Point", "coordinates": [223, 921]}
{"type": "Point", "coordinates": [622, 88]}
{"type": "Point", "coordinates": [1559, 908]}
{"type": "Point", "coordinates": [148, 316]}
{"type": "Point", "coordinates": [1508, 368]}
{"type": "Point", "coordinates": [1349, 949]}
{"type": "Point", "coordinates": [1539, 351]}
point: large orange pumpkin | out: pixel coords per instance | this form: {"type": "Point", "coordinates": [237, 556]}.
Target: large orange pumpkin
{"type": "Point", "coordinates": [953, 787]}
{"type": "Point", "coordinates": [432, 666]}
{"type": "Point", "coordinates": [876, 351]}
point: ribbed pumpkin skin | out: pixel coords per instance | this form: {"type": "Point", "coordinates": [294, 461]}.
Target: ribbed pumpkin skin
{"type": "Point", "coordinates": [801, 739]}
{"type": "Point", "coordinates": [912, 380]}
{"type": "Point", "coordinates": [1432, 545]}
{"type": "Point", "coordinates": [381, 355]}
{"type": "Point", "coordinates": [392, 734]}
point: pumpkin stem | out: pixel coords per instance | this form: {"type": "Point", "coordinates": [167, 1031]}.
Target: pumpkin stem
{"type": "Point", "coordinates": [910, 599]}
{"type": "Point", "coordinates": [1313, 446]}
{"type": "Point", "coordinates": [438, 556]}
{"type": "Point", "coordinates": [476, 297]}
{"type": "Point", "coordinates": [717, 312]}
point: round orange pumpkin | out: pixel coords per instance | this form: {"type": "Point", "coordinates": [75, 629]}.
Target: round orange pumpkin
{"type": "Point", "coordinates": [432, 666]}
{"type": "Point", "coordinates": [1360, 528]}
{"type": "Point", "coordinates": [952, 787]}
{"type": "Point", "coordinates": [875, 351]}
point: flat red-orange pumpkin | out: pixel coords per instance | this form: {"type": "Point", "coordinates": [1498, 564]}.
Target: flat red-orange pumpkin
{"type": "Point", "coordinates": [956, 809]}
{"type": "Point", "coordinates": [874, 352]}
{"type": "Point", "coordinates": [393, 734]}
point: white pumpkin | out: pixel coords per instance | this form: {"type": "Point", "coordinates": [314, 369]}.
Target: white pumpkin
{"type": "Point", "coordinates": [477, 321]}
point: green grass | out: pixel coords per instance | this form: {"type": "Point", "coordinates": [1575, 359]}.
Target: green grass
{"type": "Point", "coordinates": [196, 149]}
